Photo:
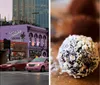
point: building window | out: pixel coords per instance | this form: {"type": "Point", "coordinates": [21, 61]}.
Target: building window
{"type": "Point", "coordinates": [44, 39]}
{"type": "Point", "coordinates": [40, 38]}
{"type": "Point", "coordinates": [35, 39]}
{"type": "Point", "coordinates": [30, 38]}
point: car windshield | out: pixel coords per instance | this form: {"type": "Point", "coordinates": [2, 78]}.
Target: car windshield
{"type": "Point", "coordinates": [12, 62]}
{"type": "Point", "coordinates": [39, 60]}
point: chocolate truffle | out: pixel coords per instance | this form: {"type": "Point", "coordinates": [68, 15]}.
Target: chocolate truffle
{"type": "Point", "coordinates": [78, 56]}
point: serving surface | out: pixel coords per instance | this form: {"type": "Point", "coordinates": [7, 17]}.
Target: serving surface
{"type": "Point", "coordinates": [62, 79]}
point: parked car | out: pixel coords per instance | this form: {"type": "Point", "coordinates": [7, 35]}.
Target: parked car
{"type": "Point", "coordinates": [38, 64]}
{"type": "Point", "coordinates": [14, 65]}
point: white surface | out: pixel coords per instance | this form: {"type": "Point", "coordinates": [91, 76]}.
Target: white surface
{"type": "Point", "coordinates": [6, 9]}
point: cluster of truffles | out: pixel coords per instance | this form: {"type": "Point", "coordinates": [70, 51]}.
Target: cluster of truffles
{"type": "Point", "coordinates": [78, 56]}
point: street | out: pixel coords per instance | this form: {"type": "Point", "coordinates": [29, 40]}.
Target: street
{"type": "Point", "coordinates": [24, 78]}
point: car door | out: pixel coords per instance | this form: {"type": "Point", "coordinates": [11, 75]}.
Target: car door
{"type": "Point", "coordinates": [18, 65]}
{"type": "Point", "coordinates": [23, 64]}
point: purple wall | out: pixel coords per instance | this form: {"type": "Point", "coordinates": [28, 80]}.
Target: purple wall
{"type": "Point", "coordinates": [14, 33]}
{"type": "Point", "coordinates": [20, 33]}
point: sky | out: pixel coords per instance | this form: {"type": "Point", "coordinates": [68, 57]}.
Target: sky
{"type": "Point", "coordinates": [6, 9]}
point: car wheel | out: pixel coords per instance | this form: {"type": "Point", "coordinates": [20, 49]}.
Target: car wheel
{"type": "Point", "coordinates": [42, 69]}
{"type": "Point", "coordinates": [13, 69]}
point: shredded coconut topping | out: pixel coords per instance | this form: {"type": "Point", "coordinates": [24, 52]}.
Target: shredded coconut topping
{"type": "Point", "coordinates": [78, 56]}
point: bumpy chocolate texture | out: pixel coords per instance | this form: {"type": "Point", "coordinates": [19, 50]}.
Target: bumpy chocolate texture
{"type": "Point", "coordinates": [78, 56]}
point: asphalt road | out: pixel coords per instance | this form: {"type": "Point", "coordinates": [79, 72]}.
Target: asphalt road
{"type": "Point", "coordinates": [24, 78]}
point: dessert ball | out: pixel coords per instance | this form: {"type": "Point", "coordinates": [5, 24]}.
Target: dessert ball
{"type": "Point", "coordinates": [78, 56]}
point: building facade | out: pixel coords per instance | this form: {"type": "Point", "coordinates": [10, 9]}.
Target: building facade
{"type": "Point", "coordinates": [32, 11]}
{"type": "Point", "coordinates": [26, 40]}
{"type": "Point", "coordinates": [18, 50]}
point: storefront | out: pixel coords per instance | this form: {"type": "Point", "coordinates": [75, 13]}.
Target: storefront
{"type": "Point", "coordinates": [18, 50]}
{"type": "Point", "coordinates": [26, 40]}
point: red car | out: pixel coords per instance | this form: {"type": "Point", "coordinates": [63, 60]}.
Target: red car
{"type": "Point", "coordinates": [14, 65]}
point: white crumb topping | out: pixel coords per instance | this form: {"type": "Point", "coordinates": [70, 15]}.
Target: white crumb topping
{"type": "Point", "coordinates": [54, 65]}
{"type": "Point", "coordinates": [78, 56]}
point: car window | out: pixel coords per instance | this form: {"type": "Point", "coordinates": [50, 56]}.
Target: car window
{"type": "Point", "coordinates": [12, 62]}
{"type": "Point", "coordinates": [18, 62]}
{"type": "Point", "coordinates": [24, 61]}
{"type": "Point", "coordinates": [39, 60]}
